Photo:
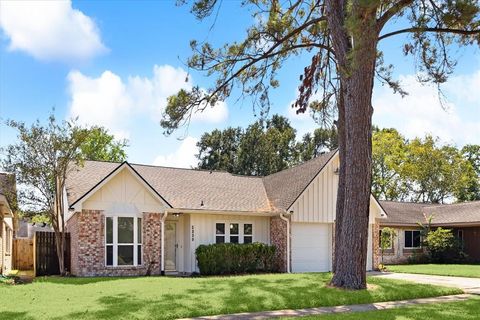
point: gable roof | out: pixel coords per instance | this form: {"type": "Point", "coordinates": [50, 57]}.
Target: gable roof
{"type": "Point", "coordinates": [410, 213]}
{"type": "Point", "coordinates": [204, 189]}
{"type": "Point", "coordinates": [284, 187]}
{"type": "Point", "coordinates": [180, 188]}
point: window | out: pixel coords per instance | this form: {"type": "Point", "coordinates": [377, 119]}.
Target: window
{"type": "Point", "coordinates": [460, 238]}
{"type": "Point", "coordinates": [389, 244]}
{"type": "Point", "coordinates": [234, 233]}
{"type": "Point", "coordinates": [247, 233]}
{"type": "Point", "coordinates": [412, 239]}
{"type": "Point", "coordinates": [220, 233]}
{"type": "Point", "coordinates": [123, 241]}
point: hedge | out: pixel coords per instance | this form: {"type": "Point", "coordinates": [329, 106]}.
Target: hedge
{"type": "Point", "coordinates": [234, 258]}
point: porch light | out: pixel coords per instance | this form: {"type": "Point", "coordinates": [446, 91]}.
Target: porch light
{"type": "Point", "coordinates": [337, 171]}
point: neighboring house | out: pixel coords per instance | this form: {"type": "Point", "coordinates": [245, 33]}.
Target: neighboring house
{"type": "Point", "coordinates": [462, 218]}
{"type": "Point", "coordinates": [129, 219]}
{"type": "Point", "coordinates": [7, 220]}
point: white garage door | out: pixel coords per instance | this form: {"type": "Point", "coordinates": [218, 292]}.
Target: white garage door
{"type": "Point", "coordinates": [311, 247]}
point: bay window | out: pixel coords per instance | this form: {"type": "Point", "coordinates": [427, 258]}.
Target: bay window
{"type": "Point", "coordinates": [123, 241]}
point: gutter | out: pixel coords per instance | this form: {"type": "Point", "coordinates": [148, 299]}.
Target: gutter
{"type": "Point", "coordinates": [284, 218]}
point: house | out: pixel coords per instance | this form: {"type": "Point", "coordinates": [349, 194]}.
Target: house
{"type": "Point", "coordinates": [403, 217]}
{"type": "Point", "coordinates": [130, 219]}
{"type": "Point", "coordinates": [7, 219]}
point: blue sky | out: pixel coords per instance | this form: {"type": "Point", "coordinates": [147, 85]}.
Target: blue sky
{"type": "Point", "coordinates": [114, 64]}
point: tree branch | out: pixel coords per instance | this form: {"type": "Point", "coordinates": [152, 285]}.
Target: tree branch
{"type": "Point", "coordinates": [392, 11]}
{"type": "Point", "coordinates": [436, 30]}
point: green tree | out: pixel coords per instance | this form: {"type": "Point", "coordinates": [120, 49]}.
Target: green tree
{"type": "Point", "coordinates": [389, 153]}
{"type": "Point", "coordinates": [471, 192]}
{"type": "Point", "coordinates": [100, 145]}
{"type": "Point", "coordinates": [435, 173]}
{"type": "Point", "coordinates": [218, 150]}
{"type": "Point", "coordinates": [41, 160]}
{"type": "Point", "coordinates": [312, 145]}
{"type": "Point", "coordinates": [342, 38]}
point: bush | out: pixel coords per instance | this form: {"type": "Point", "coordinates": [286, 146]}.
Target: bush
{"type": "Point", "coordinates": [234, 258]}
{"type": "Point", "coordinates": [443, 247]}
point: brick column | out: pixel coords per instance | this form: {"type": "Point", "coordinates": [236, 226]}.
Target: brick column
{"type": "Point", "coordinates": [376, 246]}
{"type": "Point", "coordinates": [152, 242]}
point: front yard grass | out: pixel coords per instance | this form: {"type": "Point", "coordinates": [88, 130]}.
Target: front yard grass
{"type": "Point", "coordinates": [169, 298]}
{"type": "Point", "coordinates": [458, 270]}
{"type": "Point", "coordinates": [465, 310]}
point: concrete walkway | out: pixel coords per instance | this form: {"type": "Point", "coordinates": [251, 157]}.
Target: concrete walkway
{"type": "Point", "coordinates": [337, 309]}
{"type": "Point", "coordinates": [469, 285]}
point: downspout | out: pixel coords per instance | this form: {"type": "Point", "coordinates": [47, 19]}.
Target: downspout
{"type": "Point", "coordinates": [282, 216]}
{"type": "Point", "coordinates": [162, 227]}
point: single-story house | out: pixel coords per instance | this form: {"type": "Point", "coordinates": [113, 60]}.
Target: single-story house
{"type": "Point", "coordinates": [131, 219]}
{"type": "Point", "coordinates": [403, 217]}
{"type": "Point", "coordinates": [7, 195]}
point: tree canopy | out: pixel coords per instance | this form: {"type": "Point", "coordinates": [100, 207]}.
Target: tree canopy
{"type": "Point", "coordinates": [263, 148]}
{"type": "Point", "coordinates": [101, 145]}
{"type": "Point", "coordinates": [422, 169]}
{"type": "Point", "coordinates": [341, 37]}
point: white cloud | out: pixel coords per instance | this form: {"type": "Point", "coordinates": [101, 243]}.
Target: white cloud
{"type": "Point", "coordinates": [50, 30]}
{"type": "Point", "coordinates": [112, 102]}
{"type": "Point", "coordinates": [421, 112]}
{"type": "Point", "coordinates": [183, 157]}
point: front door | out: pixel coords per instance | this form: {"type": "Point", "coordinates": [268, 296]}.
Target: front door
{"type": "Point", "coordinates": [170, 246]}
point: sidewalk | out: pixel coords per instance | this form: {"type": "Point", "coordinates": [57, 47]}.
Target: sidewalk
{"type": "Point", "coordinates": [337, 309]}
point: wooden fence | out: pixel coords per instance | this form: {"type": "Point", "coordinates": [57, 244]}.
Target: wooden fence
{"type": "Point", "coordinates": [46, 259]}
{"type": "Point", "coordinates": [23, 254]}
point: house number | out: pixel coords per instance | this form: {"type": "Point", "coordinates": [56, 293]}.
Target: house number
{"type": "Point", "coordinates": [193, 233]}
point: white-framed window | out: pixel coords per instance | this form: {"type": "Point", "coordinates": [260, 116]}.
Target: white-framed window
{"type": "Point", "coordinates": [123, 241]}
{"type": "Point", "coordinates": [413, 239]}
{"type": "Point", "coordinates": [233, 232]}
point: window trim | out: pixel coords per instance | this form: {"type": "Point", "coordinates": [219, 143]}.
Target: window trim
{"type": "Point", "coordinates": [115, 242]}
{"type": "Point", "coordinates": [241, 235]}
{"type": "Point", "coordinates": [405, 237]}
{"type": "Point", "coordinates": [8, 240]}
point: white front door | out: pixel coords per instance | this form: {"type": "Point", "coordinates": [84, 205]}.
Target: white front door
{"type": "Point", "coordinates": [311, 247]}
{"type": "Point", "coordinates": [170, 246]}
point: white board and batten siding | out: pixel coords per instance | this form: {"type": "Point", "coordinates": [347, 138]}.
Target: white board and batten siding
{"type": "Point", "coordinates": [123, 192]}
{"type": "Point", "coordinates": [203, 228]}
{"type": "Point", "coordinates": [313, 218]}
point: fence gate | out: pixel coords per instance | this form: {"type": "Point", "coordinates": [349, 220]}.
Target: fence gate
{"type": "Point", "coordinates": [23, 254]}
{"type": "Point", "coordinates": [46, 259]}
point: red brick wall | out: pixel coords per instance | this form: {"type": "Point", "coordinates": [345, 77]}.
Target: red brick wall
{"type": "Point", "coordinates": [278, 238]}
{"type": "Point", "coordinates": [88, 246]}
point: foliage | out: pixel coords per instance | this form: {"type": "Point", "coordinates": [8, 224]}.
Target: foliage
{"type": "Point", "coordinates": [234, 258]}
{"type": "Point", "coordinates": [471, 192]}
{"type": "Point", "coordinates": [263, 148]}
{"type": "Point", "coordinates": [421, 169]}
{"type": "Point", "coordinates": [442, 246]}
{"type": "Point", "coordinates": [387, 236]}
{"type": "Point", "coordinates": [342, 39]}
{"type": "Point", "coordinates": [100, 145]}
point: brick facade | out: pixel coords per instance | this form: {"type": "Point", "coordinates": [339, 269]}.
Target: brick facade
{"type": "Point", "coordinates": [376, 246]}
{"type": "Point", "coordinates": [88, 246]}
{"type": "Point", "coordinates": [278, 238]}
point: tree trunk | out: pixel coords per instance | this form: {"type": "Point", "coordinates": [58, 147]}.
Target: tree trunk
{"type": "Point", "coordinates": [356, 55]}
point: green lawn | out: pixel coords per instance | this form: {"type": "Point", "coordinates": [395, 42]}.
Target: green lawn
{"type": "Point", "coordinates": [466, 310]}
{"type": "Point", "coordinates": [169, 298]}
{"type": "Point", "coordinates": [459, 270]}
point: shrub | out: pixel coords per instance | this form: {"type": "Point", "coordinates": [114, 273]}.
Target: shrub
{"type": "Point", "coordinates": [443, 247]}
{"type": "Point", "coordinates": [234, 258]}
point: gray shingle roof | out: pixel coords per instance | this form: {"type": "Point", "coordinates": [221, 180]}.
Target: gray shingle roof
{"type": "Point", "coordinates": [409, 213]}
{"type": "Point", "coordinates": [284, 187]}
{"type": "Point", "coordinates": [188, 188]}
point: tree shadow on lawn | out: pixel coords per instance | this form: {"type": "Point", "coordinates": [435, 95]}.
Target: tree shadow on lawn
{"type": "Point", "coordinates": [80, 280]}
{"type": "Point", "coordinates": [10, 315]}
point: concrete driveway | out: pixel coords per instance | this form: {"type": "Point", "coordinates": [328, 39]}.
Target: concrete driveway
{"type": "Point", "coordinates": [469, 285]}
